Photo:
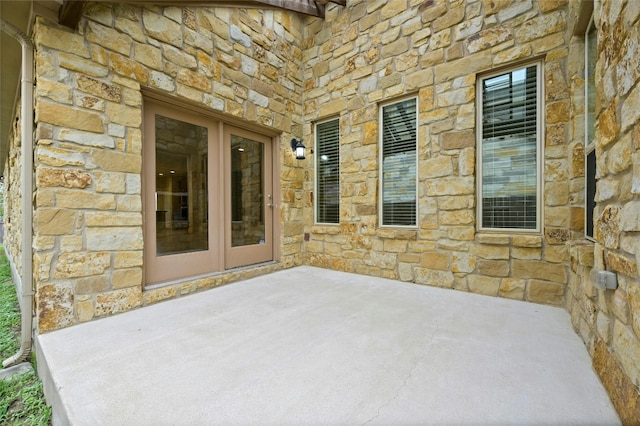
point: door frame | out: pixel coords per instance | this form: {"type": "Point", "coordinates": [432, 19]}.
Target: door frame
{"type": "Point", "coordinates": [195, 113]}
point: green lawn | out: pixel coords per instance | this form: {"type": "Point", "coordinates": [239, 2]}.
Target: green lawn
{"type": "Point", "coordinates": [21, 398]}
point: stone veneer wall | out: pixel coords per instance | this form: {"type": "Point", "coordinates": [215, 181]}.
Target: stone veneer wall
{"type": "Point", "coordinates": [609, 321]}
{"type": "Point", "coordinates": [12, 201]}
{"type": "Point", "coordinates": [375, 51]}
{"type": "Point", "coordinates": [245, 63]}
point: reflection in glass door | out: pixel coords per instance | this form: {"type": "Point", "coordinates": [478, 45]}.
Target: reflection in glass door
{"type": "Point", "coordinates": [249, 198]}
{"type": "Point", "coordinates": [182, 230]}
{"type": "Point", "coordinates": [181, 187]}
{"type": "Point", "coordinates": [247, 192]}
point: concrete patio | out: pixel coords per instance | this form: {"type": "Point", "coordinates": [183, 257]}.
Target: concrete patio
{"type": "Point", "coordinates": [313, 346]}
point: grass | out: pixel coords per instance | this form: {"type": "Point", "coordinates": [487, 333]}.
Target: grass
{"type": "Point", "coordinates": [21, 396]}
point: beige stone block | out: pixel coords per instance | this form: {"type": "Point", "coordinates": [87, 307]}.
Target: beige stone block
{"type": "Point", "coordinates": [557, 235]}
{"type": "Point", "coordinates": [81, 264]}
{"type": "Point", "coordinates": [608, 125]}
{"type": "Point", "coordinates": [57, 92]}
{"type": "Point", "coordinates": [114, 238]}
{"type": "Point", "coordinates": [84, 310]}
{"type": "Point", "coordinates": [108, 38]}
{"type": "Point", "coordinates": [81, 65]}
{"type": "Point", "coordinates": [467, 162]}
{"type": "Point", "coordinates": [493, 268]}
{"type": "Point", "coordinates": [483, 285]}
{"type": "Point", "coordinates": [545, 292]}
{"type": "Point", "coordinates": [129, 203]}
{"type": "Point", "coordinates": [488, 38]}
{"type": "Point", "coordinates": [160, 294]}
{"type": "Point", "coordinates": [110, 182]}
{"type": "Point", "coordinates": [622, 264]}
{"type": "Point", "coordinates": [450, 186]}
{"type": "Point", "coordinates": [490, 252]}
{"type": "Point", "coordinates": [513, 54]}
{"type": "Point", "coordinates": [64, 116]}
{"type": "Point", "coordinates": [92, 285]}
{"type": "Point", "coordinates": [458, 139]}
{"type": "Point", "coordinates": [66, 178]}
{"type": "Point", "coordinates": [494, 239]}
{"type": "Point", "coordinates": [82, 199]}
{"type": "Point", "coordinates": [462, 233]}
{"type": "Point", "coordinates": [630, 112]}
{"type": "Point", "coordinates": [116, 301]}
{"type": "Point", "coordinates": [556, 193]}
{"type": "Point", "coordinates": [43, 242]}
{"type": "Point", "coordinates": [526, 253]}
{"type": "Point", "coordinates": [541, 270]}
{"type": "Point", "coordinates": [395, 246]}
{"type": "Point", "coordinates": [627, 349]}
{"type": "Point", "coordinates": [462, 67]}
{"type": "Point", "coordinates": [512, 288]}
{"type": "Point", "coordinates": [454, 16]}
{"type": "Point", "coordinates": [463, 262]}
{"type": "Point", "coordinates": [436, 260]}
{"type": "Point", "coordinates": [526, 241]}
{"type": "Point", "coordinates": [42, 266]}
{"type": "Point", "coordinates": [123, 278]}
{"type": "Point", "coordinates": [51, 221]}
{"type": "Point", "coordinates": [436, 167]}
{"type": "Point", "coordinates": [161, 28]}
{"type": "Point", "coordinates": [99, 88]}
{"type": "Point", "coordinates": [556, 254]}
{"type": "Point", "coordinates": [58, 39]}
{"type": "Point", "coordinates": [456, 217]}
{"type": "Point", "coordinates": [127, 259]}
{"type": "Point", "coordinates": [113, 161]}
{"type": "Point", "coordinates": [54, 306]}
{"type": "Point", "coordinates": [97, 218]}
{"type": "Point", "coordinates": [437, 278]}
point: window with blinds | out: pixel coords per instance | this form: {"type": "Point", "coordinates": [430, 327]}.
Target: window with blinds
{"type": "Point", "coordinates": [398, 163]}
{"type": "Point", "coordinates": [509, 181]}
{"type": "Point", "coordinates": [328, 172]}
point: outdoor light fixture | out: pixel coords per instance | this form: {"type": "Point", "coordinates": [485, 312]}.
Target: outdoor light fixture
{"type": "Point", "coordinates": [299, 148]}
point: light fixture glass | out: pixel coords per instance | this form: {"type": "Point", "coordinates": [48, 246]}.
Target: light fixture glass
{"type": "Point", "coordinates": [298, 147]}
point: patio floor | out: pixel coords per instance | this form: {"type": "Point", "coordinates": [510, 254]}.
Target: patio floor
{"type": "Point", "coordinates": [314, 346]}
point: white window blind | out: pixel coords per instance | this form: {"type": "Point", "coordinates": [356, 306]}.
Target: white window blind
{"type": "Point", "coordinates": [399, 156]}
{"type": "Point", "coordinates": [328, 172]}
{"type": "Point", "coordinates": [509, 154]}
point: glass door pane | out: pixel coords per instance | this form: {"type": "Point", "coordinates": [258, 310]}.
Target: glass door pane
{"type": "Point", "coordinates": [247, 192]}
{"type": "Point", "coordinates": [181, 187]}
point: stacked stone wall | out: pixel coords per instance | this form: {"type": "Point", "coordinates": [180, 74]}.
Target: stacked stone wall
{"type": "Point", "coordinates": [376, 51]}
{"type": "Point", "coordinates": [609, 320]}
{"type": "Point", "coordinates": [240, 63]}
{"type": "Point", "coordinates": [12, 238]}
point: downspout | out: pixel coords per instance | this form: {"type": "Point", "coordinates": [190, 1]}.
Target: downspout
{"type": "Point", "coordinates": [25, 282]}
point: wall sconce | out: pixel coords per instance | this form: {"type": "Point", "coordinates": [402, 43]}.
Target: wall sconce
{"type": "Point", "coordinates": [298, 147]}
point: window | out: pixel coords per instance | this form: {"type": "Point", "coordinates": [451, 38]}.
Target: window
{"type": "Point", "coordinates": [328, 171]}
{"type": "Point", "coordinates": [399, 163]}
{"type": "Point", "coordinates": [509, 149]}
{"type": "Point", "coordinates": [591, 44]}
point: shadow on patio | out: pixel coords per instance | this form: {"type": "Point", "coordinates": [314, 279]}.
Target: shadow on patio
{"type": "Point", "coordinates": [309, 345]}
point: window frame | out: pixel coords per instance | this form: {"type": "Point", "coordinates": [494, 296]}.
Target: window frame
{"type": "Point", "coordinates": [590, 176]}
{"type": "Point", "coordinates": [540, 125]}
{"type": "Point", "coordinates": [381, 108]}
{"type": "Point", "coordinates": [318, 154]}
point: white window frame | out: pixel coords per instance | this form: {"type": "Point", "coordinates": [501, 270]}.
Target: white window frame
{"type": "Point", "coordinates": [317, 179]}
{"type": "Point", "coordinates": [381, 159]}
{"type": "Point", "coordinates": [590, 145]}
{"type": "Point", "coordinates": [539, 144]}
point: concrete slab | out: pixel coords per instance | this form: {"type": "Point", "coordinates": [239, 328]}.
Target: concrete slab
{"type": "Point", "coordinates": [313, 346]}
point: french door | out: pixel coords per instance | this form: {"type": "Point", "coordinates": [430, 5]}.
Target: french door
{"type": "Point", "coordinates": [207, 195]}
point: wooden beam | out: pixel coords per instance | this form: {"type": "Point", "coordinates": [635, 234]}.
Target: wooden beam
{"type": "Point", "coordinates": [70, 13]}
